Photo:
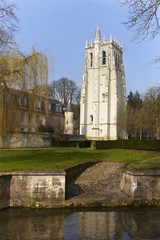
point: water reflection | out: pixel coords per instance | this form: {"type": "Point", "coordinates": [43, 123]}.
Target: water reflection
{"type": "Point", "coordinates": [47, 224]}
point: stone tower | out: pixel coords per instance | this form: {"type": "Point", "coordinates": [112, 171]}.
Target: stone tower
{"type": "Point", "coordinates": [103, 90]}
{"type": "Point", "coordinates": [69, 120]}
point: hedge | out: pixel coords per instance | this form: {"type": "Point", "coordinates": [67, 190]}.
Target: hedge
{"type": "Point", "coordinates": [79, 144]}
{"type": "Point", "coordinates": [151, 145]}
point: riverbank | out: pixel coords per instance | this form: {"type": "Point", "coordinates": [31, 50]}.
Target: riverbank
{"type": "Point", "coordinates": [100, 186]}
{"type": "Point", "coordinates": [91, 184]}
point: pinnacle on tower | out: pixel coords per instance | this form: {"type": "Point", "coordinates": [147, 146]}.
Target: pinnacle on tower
{"type": "Point", "coordinates": [97, 37]}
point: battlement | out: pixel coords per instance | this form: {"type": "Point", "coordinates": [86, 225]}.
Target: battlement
{"type": "Point", "coordinates": [105, 42]}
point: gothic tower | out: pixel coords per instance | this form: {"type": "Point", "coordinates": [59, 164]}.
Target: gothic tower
{"type": "Point", "coordinates": [103, 90]}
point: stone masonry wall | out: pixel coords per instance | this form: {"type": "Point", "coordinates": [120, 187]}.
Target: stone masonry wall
{"type": "Point", "coordinates": [99, 183]}
{"type": "Point", "coordinates": [37, 189]}
{"type": "Point", "coordinates": [29, 189]}
{"type": "Point", "coordinates": [25, 140]}
{"type": "Point", "coordinates": [141, 184]}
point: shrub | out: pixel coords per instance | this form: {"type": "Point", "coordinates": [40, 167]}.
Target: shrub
{"type": "Point", "coordinates": [151, 145]}
{"type": "Point", "coordinates": [46, 128]}
{"type": "Point", "coordinates": [79, 144]}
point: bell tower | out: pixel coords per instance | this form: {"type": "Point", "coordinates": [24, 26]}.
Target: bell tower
{"type": "Point", "coordinates": [103, 90]}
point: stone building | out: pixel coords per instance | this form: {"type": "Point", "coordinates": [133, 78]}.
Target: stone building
{"type": "Point", "coordinates": [103, 90]}
{"type": "Point", "coordinates": [25, 111]}
{"type": "Point", "coordinates": [24, 101]}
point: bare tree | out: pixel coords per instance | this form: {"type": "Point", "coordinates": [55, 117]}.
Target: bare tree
{"type": "Point", "coordinates": [143, 17]}
{"type": "Point", "coordinates": [152, 93]}
{"type": "Point", "coordinates": [8, 25]}
{"type": "Point", "coordinates": [134, 105]}
{"type": "Point", "coordinates": [64, 90]}
{"type": "Point", "coordinates": [151, 106]}
{"type": "Point", "coordinates": [143, 114]}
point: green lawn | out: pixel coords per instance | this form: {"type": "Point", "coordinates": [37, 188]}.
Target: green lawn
{"type": "Point", "coordinates": [60, 158]}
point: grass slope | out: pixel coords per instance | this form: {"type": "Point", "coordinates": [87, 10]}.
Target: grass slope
{"type": "Point", "coordinates": [60, 158]}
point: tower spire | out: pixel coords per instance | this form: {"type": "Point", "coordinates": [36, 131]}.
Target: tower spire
{"type": "Point", "coordinates": [97, 37]}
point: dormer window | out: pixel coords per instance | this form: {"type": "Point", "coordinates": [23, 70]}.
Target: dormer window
{"type": "Point", "coordinates": [91, 59]}
{"type": "Point", "coordinates": [103, 58]}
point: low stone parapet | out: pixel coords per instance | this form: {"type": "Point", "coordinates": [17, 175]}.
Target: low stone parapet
{"type": "Point", "coordinates": [32, 189]}
{"type": "Point", "coordinates": [141, 184]}
{"type": "Point", "coordinates": [98, 186]}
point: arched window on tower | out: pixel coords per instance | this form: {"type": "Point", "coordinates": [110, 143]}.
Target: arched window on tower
{"type": "Point", "coordinates": [103, 58]}
{"type": "Point", "coordinates": [91, 59]}
{"type": "Point", "coordinates": [117, 61]}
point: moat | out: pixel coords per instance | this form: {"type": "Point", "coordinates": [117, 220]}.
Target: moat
{"type": "Point", "coordinates": [72, 224]}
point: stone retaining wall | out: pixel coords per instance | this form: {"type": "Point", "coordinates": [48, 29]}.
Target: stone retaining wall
{"type": "Point", "coordinates": [32, 189]}
{"type": "Point", "coordinates": [53, 189]}
{"type": "Point", "coordinates": [141, 184]}
{"type": "Point", "coordinates": [26, 140]}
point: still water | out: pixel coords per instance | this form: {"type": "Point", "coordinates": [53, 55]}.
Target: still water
{"type": "Point", "coordinates": [47, 224]}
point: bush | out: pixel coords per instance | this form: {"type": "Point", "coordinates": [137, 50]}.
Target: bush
{"type": "Point", "coordinates": [151, 145]}
{"type": "Point", "coordinates": [79, 144]}
{"type": "Point", "coordinates": [46, 129]}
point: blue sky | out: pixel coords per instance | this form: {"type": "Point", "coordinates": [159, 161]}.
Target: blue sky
{"type": "Point", "coordinates": [60, 29]}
